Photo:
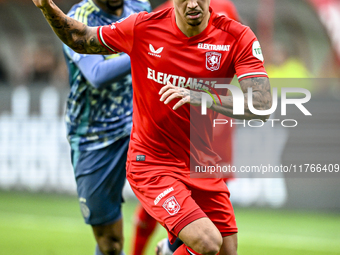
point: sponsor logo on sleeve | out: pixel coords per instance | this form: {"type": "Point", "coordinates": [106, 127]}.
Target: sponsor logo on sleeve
{"type": "Point", "coordinates": [257, 51]}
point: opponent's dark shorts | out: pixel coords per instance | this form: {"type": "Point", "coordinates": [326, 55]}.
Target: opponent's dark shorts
{"type": "Point", "coordinates": [100, 176]}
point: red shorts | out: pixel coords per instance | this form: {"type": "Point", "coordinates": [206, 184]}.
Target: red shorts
{"type": "Point", "coordinates": [174, 199]}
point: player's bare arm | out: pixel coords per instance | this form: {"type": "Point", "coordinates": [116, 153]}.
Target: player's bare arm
{"type": "Point", "coordinates": [262, 99]}
{"type": "Point", "coordinates": [261, 94]}
{"type": "Point", "coordinates": [76, 35]}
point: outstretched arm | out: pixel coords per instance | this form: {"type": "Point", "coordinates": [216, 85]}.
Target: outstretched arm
{"type": "Point", "coordinates": [76, 35]}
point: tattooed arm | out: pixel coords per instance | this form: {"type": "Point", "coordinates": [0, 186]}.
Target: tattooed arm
{"type": "Point", "coordinates": [261, 94]}
{"type": "Point", "coordinates": [262, 99]}
{"type": "Point", "coordinates": [76, 35]}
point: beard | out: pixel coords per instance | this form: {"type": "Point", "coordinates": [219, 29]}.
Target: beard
{"type": "Point", "coordinates": [113, 7]}
{"type": "Point", "coordinates": [195, 24]}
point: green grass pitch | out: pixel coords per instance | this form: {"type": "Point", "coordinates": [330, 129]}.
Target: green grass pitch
{"type": "Point", "coordinates": [43, 224]}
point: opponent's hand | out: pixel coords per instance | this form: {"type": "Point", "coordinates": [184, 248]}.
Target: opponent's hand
{"type": "Point", "coordinates": [41, 3]}
{"type": "Point", "coordinates": [170, 92]}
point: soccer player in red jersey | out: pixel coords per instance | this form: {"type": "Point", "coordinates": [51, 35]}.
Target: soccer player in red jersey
{"type": "Point", "coordinates": [168, 49]}
{"type": "Point", "coordinates": [222, 144]}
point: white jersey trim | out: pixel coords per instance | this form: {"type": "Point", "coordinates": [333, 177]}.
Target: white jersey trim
{"type": "Point", "coordinates": [102, 39]}
{"type": "Point", "coordinates": [190, 252]}
{"type": "Point", "coordinates": [249, 74]}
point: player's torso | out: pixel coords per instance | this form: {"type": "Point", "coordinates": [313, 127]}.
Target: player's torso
{"type": "Point", "coordinates": [168, 55]}
{"type": "Point", "coordinates": [162, 53]}
{"type": "Point", "coordinates": [190, 60]}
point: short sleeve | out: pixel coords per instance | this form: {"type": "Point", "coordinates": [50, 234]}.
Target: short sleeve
{"type": "Point", "coordinates": [118, 37]}
{"type": "Point", "coordinates": [248, 60]}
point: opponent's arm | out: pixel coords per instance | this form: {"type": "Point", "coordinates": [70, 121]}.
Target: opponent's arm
{"type": "Point", "coordinates": [261, 94]}
{"type": "Point", "coordinates": [101, 73]}
{"type": "Point", "coordinates": [76, 35]}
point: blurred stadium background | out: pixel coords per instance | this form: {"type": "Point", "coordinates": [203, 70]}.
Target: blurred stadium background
{"type": "Point", "coordinates": [39, 212]}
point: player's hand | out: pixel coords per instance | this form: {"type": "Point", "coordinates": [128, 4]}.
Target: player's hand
{"type": "Point", "coordinates": [41, 3]}
{"type": "Point", "coordinates": [170, 92]}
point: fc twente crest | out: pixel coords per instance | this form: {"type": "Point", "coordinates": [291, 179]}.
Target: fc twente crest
{"type": "Point", "coordinates": [171, 205]}
{"type": "Point", "coordinates": [213, 60]}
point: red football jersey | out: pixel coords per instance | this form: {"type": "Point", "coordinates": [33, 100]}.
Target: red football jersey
{"type": "Point", "coordinates": [160, 52]}
{"type": "Point", "coordinates": [223, 135]}
{"type": "Point", "coordinates": [224, 7]}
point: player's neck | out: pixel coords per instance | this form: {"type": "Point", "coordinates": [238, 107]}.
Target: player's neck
{"type": "Point", "coordinates": [117, 12]}
{"type": "Point", "coordinates": [189, 30]}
